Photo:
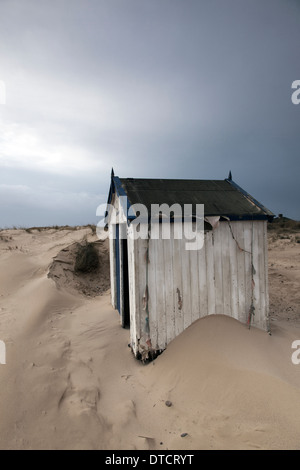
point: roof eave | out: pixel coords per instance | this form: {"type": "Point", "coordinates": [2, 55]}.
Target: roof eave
{"type": "Point", "coordinates": [267, 214]}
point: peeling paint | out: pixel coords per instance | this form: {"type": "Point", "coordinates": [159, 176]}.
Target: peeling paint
{"type": "Point", "coordinates": [146, 256]}
{"type": "Point", "coordinates": [145, 298]}
{"type": "Point", "coordinates": [145, 352]}
{"type": "Point", "coordinates": [213, 221]}
{"type": "Point", "coordinates": [179, 299]}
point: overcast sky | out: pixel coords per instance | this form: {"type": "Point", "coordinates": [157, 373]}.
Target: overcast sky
{"type": "Point", "coordinates": [154, 88]}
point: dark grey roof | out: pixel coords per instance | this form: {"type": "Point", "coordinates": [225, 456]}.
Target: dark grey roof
{"type": "Point", "coordinates": [220, 197]}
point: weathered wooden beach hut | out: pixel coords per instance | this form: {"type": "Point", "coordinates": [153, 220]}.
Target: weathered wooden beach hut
{"type": "Point", "coordinates": [159, 287]}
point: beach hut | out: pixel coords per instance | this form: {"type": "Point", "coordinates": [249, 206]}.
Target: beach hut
{"type": "Point", "coordinates": [158, 285]}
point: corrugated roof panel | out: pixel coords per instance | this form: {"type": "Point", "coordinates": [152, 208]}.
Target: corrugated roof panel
{"type": "Point", "coordinates": [220, 197]}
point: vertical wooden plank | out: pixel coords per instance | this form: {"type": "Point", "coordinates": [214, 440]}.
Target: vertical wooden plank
{"type": "Point", "coordinates": [239, 233]}
{"type": "Point", "coordinates": [141, 287]}
{"type": "Point", "coordinates": [202, 272]}
{"type": "Point", "coordinates": [261, 274]}
{"type": "Point", "coordinates": [122, 230]}
{"type": "Point", "coordinates": [256, 276]}
{"type": "Point", "coordinates": [233, 249]}
{"type": "Point", "coordinates": [133, 298]}
{"type": "Point", "coordinates": [177, 294]}
{"type": "Point", "coordinates": [152, 269]}
{"type": "Point", "coordinates": [160, 294]}
{"type": "Point", "coordinates": [194, 267]}
{"type": "Point", "coordinates": [112, 262]}
{"type": "Point", "coordinates": [186, 284]}
{"type": "Point", "coordinates": [218, 234]}
{"type": "Point", "coordinates": [266, 268]}
{"type": "Point", "coordinates": [264, 286]}
{"type": "Point", "coordinates": [248, 270]}
{"type": "Point", "coordinates": [209, 253]}
{"type": "Point", "coordinates": [169, 286]}
{"type": "Point", "coordinates": [226, 273]}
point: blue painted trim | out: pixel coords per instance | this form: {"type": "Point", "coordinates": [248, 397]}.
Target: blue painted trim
{"type": "Point", "coordinates": [118, 185]}
{"type": "Point", "coordinates": [245, 217]}
{"type": "Point", "coordinates": [115, 186]}
{"type": "Point", "coordinates": [121, 192]}
{"type": "Point", "coordinates": [229, 216]}
{"type": "Point", "coordinates": [110, 195]}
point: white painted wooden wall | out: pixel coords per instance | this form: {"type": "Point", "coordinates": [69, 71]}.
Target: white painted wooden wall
{"type": "Point", "coordinates": [186, 285]}
{"type": "Point", "coordinates": [112, 263]}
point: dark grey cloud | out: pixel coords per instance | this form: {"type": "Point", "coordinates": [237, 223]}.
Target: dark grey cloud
{"type": "Point", "coordinates": [173, 89]}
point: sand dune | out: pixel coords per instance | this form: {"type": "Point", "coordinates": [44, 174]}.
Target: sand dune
{"type": "Point", "coordinates": [235, 388]}
{"type": "Point", "coordinates": [71, 382]}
